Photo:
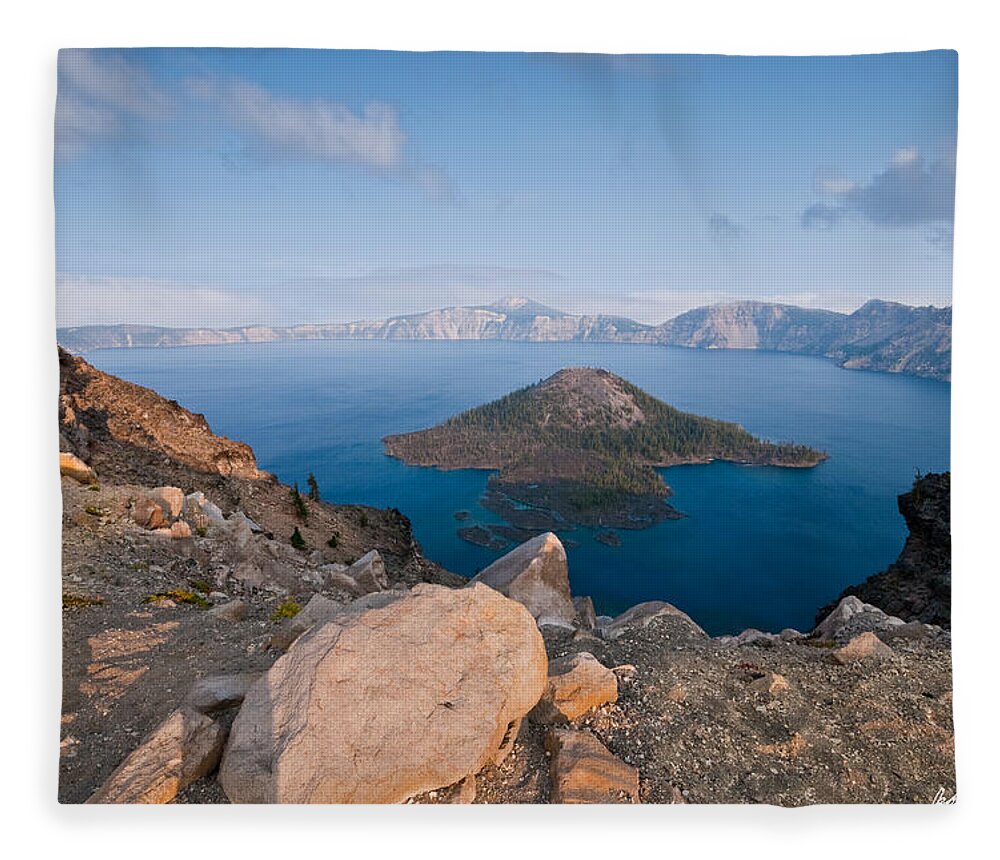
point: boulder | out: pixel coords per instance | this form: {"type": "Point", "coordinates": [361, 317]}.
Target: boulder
{"type": "Point", "coordinates": [864, 646]}
{"type": "Point", "coordinates": [319, 610]}
{"type": "Point", "coordinates": [585, 614]}
{"type": "Point", "coordinates": [343, 581]}
{"type": "Point", "coordinates": [641, 615]}
{"type": "Point", "coordinates": [384, 704]}
{"type": "Point", "coordinates": [183, 748]}
{"type": "Point", "coordinates": [180, 529]}
{"type": "Point", "coordinates": [583, 770]}
{"type": "Point", "coordinates": [852, 617]}
{"type": "Point", "coordinates": [73, 467]}
{"type": "Point", "coordinates": [197, 505]}
{"type": "Point", "coordinates": [369, 572]}
{"type": "Point", "coordinates": [148, 514]}
{"type": "Point", "coordinates": [233, 610]}
{"type": "Point", "coordinates": [219, 692]}
{"type": "Point", "coordinates": [535, 574]}
{"type": "Point", "coordinates": [170, 500]}
{"type": "Point", "coordinates": [577, 683]}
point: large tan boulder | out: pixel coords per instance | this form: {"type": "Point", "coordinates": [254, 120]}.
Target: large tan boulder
{"type": "Point", "coordinates": [583, 770]}
{"type": "Point", "coordinates": [577, 683]}
{"type": "Point", "coordinates": [380, 705]}
{"type": "Point", "coordinates": [537, 575]}
{"type": "Point", "coordinates": [170, 499]}
{"type": "Point", "coordinates": [183, 748]}
{"type": "Point", "coordinates": [369, 573]}
{"type": "Point", "coordinates": [148, 514]}
{"type": "Point", "coordinates": [73, 467]}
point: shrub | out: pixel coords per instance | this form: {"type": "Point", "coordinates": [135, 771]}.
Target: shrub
{"type": "Point", "coordinates": [334, 540]}
{"type": "Point", "coordinates": [77, 601]}
{"type": "Point", "coordinates": [180, 595]}
{"type": "Point", "coordinates": [286, 609]}
{"type": "Point", "coordinates": [297, 540]}
{"type": "Point", "coordinates": [313, 488]}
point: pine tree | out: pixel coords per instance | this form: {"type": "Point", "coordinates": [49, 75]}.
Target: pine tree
{"type": "Point", "coordinates": [313, 488]}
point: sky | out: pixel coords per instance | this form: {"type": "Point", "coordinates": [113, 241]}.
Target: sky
{"type": "Point", "coordinates": [223, 187]}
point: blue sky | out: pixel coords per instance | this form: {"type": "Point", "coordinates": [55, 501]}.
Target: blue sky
{"type": "Point", "coordinates": [227, 187]}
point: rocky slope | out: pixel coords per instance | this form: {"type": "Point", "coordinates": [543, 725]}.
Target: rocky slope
{"type": "Point", "coordinates": [917, 587]}
{"type": "Point", "coordinates": [200, 647]}
{"type": "Point", "coordinates": [878, 336]}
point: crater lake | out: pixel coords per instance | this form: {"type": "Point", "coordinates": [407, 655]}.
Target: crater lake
{"type": "Point", "coordinates": [760, 546]}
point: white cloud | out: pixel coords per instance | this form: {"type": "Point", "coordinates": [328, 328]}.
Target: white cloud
{"type": "Point", "coordinates": [146, 301]}
{"type": "Point", "coordinates": [319, 129]}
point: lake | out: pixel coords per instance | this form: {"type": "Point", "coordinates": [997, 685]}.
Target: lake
{"type": "Point", "coordinates": [761, 546]}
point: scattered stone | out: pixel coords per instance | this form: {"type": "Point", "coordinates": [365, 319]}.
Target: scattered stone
{"type": "Point", "coordinates": [386, 704]}
{"type": "Point", "coordinates": [676, 694]}
{"type": "Point", "coordinates": [466, 791]}
{"type": "Point", "coordinates": [641, 615]}
{"type": "Point", "coordinates": [771, 684]}
{"type": "Point", "coordinates": [864, 646]}
{"type": "Point", "coordinates": [583, 770]}
{"type": "Point", "coordinates": [535, 574]}
{"type": "Point", "coordinates": [577, 683]}
{"type": "Point", "coordinates": [234, 611]}
{"type": "Point", "coordinates": [369, 572]}
{"type": "Point", "coordinates": [180, 530]}
{"type": "Point", "coordinates": [219, 692]}
{"type": "Point", "coordinates": [791, 635]}
{"type": "Point", "coordinates": [217, 596]}
{"type": "Point", "coordinates": [73, 467]}
{"type": "Point", "coordinates": [183, 748]}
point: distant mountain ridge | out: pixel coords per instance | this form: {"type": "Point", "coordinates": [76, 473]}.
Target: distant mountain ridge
{"type": "Point", "coordinates": [883, 336]}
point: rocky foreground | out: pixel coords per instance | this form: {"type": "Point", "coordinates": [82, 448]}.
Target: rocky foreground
{"type": "Point", "coordinates": [208, 659]}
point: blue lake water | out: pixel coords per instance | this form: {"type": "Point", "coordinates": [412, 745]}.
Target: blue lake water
{"type": "Point", "coordinates": [761, 546]}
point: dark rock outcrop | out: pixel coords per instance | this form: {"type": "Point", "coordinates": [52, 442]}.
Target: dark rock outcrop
{"type": "Point", "coordinates": [917, 587]}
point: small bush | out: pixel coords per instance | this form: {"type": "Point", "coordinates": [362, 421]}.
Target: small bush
{"type": "Point", "coordinates": [201, 531]}
{"type": "Point", "coordinates": [296, 540]}
{"type": "Point", "coordinates": [334, 541]}
{"type": "Point", "coordinates": [94, 488]}
{"type": "Point", "coordinates": [202, 585]}
{"type": "Point", "coordinates": [363, 520]}
{"type": "Point", "coordinates": [286, 609]}
{"type": "Point", "coordinates": [77, 601]}
{"type": "Point", "coordinates": [313, 488]}
{"type": "Point", "coordinates": [180, 595]}
{"type": "Point", "coordinates": [94, 511]}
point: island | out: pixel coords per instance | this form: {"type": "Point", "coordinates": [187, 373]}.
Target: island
{"type": "Point", "coordinates": [582, 448]}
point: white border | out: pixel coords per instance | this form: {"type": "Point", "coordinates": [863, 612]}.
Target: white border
{"type": "Point", "coordinates": [29, 596]}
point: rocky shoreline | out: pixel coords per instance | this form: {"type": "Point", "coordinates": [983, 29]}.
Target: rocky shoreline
{"type": "Point", "coordinates": [199, 642]}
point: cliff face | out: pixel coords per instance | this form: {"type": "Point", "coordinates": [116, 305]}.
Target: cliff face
{"type": "Point", "coordinates": [917, 587]}
{"type": "Point", "coordinates": [878, 336]}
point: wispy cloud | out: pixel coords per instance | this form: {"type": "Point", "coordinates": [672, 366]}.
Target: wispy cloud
{"type": "Point", "coordinates": [100, 94]}
{"type": "Point", "coordinates": [909, 191]}
{"type": "Point", "coordinates": [319, 129]}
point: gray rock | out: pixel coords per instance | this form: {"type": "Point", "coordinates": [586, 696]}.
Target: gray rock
{"type": "Point", "coordinates": [369, 572]}
{"type": "Point", "coordinates": [586, 616]}
{"type": "Point", "coordinates": [535, 574]}
{"type": "Point", "coordinates": [234, 611]}
{"type": "Point", "coordinates": [641, 615]}
{"type": "Point", "coordinates": [219, 692]}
